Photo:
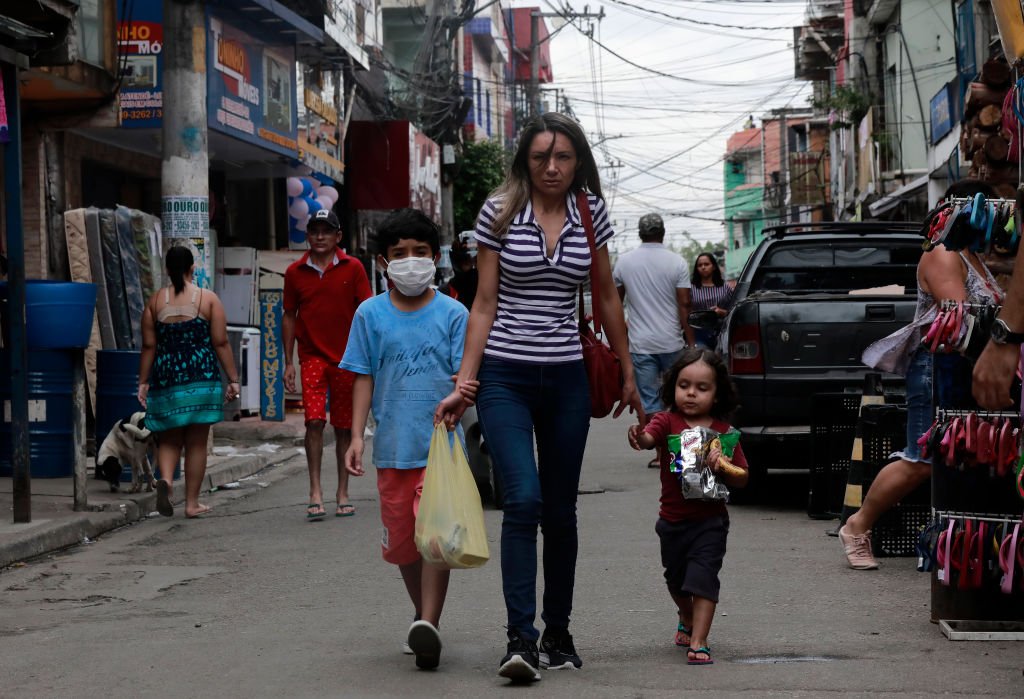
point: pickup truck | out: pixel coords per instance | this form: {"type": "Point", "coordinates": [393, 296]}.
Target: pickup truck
{"type": "Point", "coordinates": [810, 298]}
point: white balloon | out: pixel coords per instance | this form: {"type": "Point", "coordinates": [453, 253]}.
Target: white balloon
{"type": "Point", "coordinates": [299, 209]}
{"type": "Point", "coordinates": [302, 223]}
{"type": "Point", "coordinates": [327, 192]}
{"type": "Point", "coordinates": [294, 186]}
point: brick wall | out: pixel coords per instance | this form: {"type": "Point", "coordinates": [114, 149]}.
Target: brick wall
{"type": "Point", "coordinates": [34, 170]}
{"type": "Point", "coordinates": [33, 189]}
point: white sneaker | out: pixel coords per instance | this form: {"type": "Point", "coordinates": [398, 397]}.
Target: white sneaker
{"type": "Point", "coordinates": [858, 550]}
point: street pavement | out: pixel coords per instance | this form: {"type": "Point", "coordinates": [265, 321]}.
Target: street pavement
{"type": "Point", "coordinates": [253, 600]}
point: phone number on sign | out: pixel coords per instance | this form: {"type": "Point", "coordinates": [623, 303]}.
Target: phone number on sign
{"type": "Point", "coordinates": [128, 114]}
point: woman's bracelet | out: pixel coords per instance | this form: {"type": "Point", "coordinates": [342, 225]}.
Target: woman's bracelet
{"type": "Point", "coordinates": [234, 382]}
{"type": "Point", "coordinates": [143, 383]}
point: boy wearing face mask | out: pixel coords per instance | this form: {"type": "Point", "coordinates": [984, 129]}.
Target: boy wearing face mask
{"type": "Point", "coordinates": [404, 347]}
{"type": "Point", "coordinates": [321, 292]}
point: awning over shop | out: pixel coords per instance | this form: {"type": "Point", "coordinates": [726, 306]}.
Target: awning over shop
{"type": "Point", "coordinates": [892, 200]}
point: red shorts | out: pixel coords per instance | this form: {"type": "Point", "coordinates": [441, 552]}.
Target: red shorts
{"type": "Point", "coordinates": [320, 377]}
{"type": "Point", "coordinates": [400, 490]}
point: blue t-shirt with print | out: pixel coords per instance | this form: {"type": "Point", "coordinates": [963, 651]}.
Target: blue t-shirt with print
{"type": "Point", "coordinates": [411, 357]}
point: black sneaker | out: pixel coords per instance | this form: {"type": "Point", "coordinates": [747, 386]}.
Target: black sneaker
{"type": "Point", "coordinates": [521, 662]}
{"type": "Point", "coordinates": [425, 643]}
{"type": "Point", "coordinates": [557, 651]}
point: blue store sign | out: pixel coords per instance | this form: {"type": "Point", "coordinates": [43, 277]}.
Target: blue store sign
{"type": "Point", "coordinates": [251, 88]}
{"type": "Point", "coordinates": [140, 43]}
{"type": "Point", "coordinates": [942, 113]}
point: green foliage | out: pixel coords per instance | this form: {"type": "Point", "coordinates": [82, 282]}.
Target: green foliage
{"type": "Point", "coordinates": [481, 170]}
{"type": "Point", "coordinates": [849, 104]}
{"type": "Point", "coordinates": [692, 248]}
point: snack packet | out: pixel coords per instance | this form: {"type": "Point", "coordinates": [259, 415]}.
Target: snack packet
{"type": "Point", "coordinates": [688, 452]}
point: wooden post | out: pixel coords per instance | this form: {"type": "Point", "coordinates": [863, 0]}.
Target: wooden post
{"type": "Point", "coordinates": [78, 408]}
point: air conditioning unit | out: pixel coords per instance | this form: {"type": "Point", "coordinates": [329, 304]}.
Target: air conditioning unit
{"type": "Point", "coordinates": [245, 346]}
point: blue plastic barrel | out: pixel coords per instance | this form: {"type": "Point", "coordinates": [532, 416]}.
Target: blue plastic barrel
{"type": "Point", "coordinates": [50, 375]}
{"type": "Point", "coordinates": [58, 315]}
{"type": "Point", "coordinates": [117, 388]}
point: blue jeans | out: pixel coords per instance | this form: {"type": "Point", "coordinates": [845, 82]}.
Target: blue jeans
{"type": "Point", "coordinates": [648, 369]}
{"type": "Point", "coordinates": [515, 402]}
{"type": "Point", "coordinates": [950, 385]}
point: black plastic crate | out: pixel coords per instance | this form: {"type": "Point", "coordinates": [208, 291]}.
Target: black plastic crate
{"type": "Point", "coordinates": [883, 431]}
{"type": "Point", "coordinates": [832, 433]}
{"type": "Point", "coordinates": [897, 531]}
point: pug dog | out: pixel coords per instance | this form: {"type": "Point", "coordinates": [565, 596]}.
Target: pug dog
{"type": "Point", "coordinates": [128, 443]}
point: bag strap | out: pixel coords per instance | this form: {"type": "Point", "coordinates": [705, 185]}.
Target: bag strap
{"type": "Point", "coordinates": [583, 205]}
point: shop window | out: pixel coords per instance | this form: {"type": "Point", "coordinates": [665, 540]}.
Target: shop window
{"type": "Point", "coordinates": [90, 31]}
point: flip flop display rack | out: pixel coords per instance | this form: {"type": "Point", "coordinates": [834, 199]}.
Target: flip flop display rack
{"type": "Point", "coordinates": [974, 544]}
{"type": "Point", "coordinates": [960, 327]}
{"type": "Point", "coordinates": [975, 223]}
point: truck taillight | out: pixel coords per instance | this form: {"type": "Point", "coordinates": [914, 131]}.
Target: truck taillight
{"type": "Point", "coordinates": [745, 350]}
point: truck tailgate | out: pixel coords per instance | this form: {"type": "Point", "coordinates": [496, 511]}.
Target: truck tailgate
{"type": "Point", "coordinates": [814, 333]}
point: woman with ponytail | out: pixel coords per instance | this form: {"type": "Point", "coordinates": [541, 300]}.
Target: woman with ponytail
{"type": "Point", "coordinates": [184, 336]}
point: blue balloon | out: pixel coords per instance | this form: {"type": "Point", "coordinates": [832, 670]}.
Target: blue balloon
{"type": "Point", "coordinates": [314, 206]}
{"type": "Point", "coordinates": [307, 189]}
{"type": "Point", "coordinates": [296, 236]}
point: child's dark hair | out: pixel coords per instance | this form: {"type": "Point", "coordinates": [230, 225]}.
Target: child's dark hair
{"type": "Point", "coordinates": [411, 224]}
{"type": "Point", "coordinates": [727, 398]}
{"type": "Point", "coordinates": [179, 261]}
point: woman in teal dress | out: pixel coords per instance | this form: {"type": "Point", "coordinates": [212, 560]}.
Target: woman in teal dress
{"type": "Point", "coordinates": [184, 336]}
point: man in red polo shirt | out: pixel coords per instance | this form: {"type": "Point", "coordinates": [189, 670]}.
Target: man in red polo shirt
{"type": "Point", "coordinates": [321, 292]}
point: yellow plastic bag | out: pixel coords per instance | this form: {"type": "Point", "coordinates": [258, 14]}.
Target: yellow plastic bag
{"type": "Point", "coordinates": [450, 529]}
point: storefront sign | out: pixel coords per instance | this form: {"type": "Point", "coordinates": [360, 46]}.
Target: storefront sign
{"type": "Point", "coordinates": [941, 113]}
{"type": "Point", "coordinates": [271, 356]}
{"type": "Point", "coordinates": [140, 42]}
{"type": "Point", "coordinates": [398, 166]}
{"type": "Point", "coordinates": [251, 88]}
{"type": "Point", "coordinates": [319, 137]}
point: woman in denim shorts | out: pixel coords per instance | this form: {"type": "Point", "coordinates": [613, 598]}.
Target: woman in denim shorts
{"type": "Point", "coordinates": [941, 275]}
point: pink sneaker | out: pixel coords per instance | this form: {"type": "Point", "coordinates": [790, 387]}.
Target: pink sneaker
{"type": "Point", "coordinates": [858, 550]}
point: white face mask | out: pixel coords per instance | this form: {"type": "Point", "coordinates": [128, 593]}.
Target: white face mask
{"type": "Point", "coordinates": [411, 275]}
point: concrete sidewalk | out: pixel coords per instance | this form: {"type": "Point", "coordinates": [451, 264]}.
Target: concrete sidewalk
{"type": "Point", "coordinates": [241, 449]}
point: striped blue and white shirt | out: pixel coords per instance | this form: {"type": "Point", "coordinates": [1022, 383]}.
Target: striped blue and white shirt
{"type": "Point", "coordinates": [536, 318]}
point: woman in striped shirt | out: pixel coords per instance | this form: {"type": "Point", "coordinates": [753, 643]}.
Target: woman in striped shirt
{"type": "Point", "coordinates": [708, 292]}
{"type": "Point", "coordinates": [522, 345]}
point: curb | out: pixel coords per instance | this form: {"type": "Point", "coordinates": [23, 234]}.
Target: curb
{"type": "Point", "coordinates": [69, 531]}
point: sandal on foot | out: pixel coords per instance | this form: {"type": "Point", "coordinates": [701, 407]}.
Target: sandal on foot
{"type": "Point", "coordinates": [692, 659]}
{"type": "Point", "coordinates": [345, 509]}
{"type": "Point", "coordinates": [163, 499]}
{"type": "Point", "coordinates": [203, 509]}
{"type": "Point", "coordinates": [315, 511]}
{"type": "Point", "coordinates": [683, 635]}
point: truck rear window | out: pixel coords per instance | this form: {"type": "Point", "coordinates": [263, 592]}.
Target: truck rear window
{"type": "Point", "coordinates": [839, 268]}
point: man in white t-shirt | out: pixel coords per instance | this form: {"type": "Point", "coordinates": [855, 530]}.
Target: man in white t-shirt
{"type": "Point", "coordinates": [654, 283]}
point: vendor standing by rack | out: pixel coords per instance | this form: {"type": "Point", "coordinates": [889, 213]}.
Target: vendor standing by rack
{"type": "Point", "coordinates": [942, 274]}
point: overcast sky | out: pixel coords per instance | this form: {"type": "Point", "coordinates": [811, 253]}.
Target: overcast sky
{"type": "Point", "coordinates": [669, 131]}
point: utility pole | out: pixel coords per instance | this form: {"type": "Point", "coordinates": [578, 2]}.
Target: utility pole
{"type": "Point", "coordinates": [17, 352]}
{"type": "Point", "coordinates": [185, 188]}
{"type": "Point", "coordinates": [533, 93]}
{"type": "Point", "coordinates": [784, 164]}
{"type": "Point", "coordinates": [434, 67]}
